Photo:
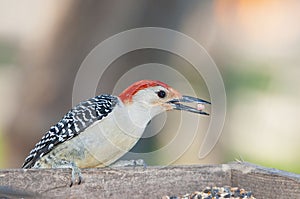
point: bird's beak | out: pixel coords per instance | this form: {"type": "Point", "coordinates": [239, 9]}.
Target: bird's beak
{"type": "Point", "coordinates": [176, 104]}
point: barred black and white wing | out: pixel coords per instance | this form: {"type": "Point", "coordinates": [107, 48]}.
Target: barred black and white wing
{"type": "Point", "coordinates": [72, 124]}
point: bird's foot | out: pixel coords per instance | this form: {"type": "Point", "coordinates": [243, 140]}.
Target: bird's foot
{"type": "Point", "coordinates": [76, 177]}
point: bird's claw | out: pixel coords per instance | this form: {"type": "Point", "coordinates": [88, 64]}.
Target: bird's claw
{"type": "Point", "coordinates": [76, 176]}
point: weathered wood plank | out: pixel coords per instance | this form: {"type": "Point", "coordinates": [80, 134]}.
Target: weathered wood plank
{"type": "Point", "coordinates": [152, 182]}
{"type": "Point", "coordinates": [265, 182]}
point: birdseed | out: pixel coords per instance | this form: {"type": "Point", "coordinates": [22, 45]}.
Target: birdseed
{"type": "Point", "coordinates": [216, 193]}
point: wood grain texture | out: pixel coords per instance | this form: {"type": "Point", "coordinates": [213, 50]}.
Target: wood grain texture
{"type": "Point", "coordinates": [152, 182]}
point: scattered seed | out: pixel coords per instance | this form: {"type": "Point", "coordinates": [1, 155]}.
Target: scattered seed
{"type": "Point", "coordinates": [216, 193]}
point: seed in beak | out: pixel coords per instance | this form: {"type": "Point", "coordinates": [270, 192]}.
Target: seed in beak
{"type": "Point", "coordinates": [200, 107]}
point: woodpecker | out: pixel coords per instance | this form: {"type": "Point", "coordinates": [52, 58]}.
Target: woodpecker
{"type": "Point", "coordinates": [98, 131]}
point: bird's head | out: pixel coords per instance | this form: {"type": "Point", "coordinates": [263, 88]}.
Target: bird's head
{"type": "Point", "coordinates": [160, 96]}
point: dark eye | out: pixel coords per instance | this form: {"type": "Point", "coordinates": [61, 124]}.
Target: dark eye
{"type": "Point", "coordinates": [161, 94]}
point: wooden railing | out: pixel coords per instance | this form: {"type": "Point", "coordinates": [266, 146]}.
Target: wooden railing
{"type": "Point", "coordinates": [150, 182]}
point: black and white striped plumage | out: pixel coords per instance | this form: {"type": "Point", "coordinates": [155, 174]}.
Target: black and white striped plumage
{"type": "Point", "coordinates": [72, 124]}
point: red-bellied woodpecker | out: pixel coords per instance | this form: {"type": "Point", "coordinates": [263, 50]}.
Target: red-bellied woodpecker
{"type": "Point", "coordinates": [100, 130]}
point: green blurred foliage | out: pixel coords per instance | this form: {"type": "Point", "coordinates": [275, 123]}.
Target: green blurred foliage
{"type": "Point", "coordinates": [291, 166]}
{"type": "Point", "coordinates": [3, 148]}
{"type": "Point", "coordinates": [8, 52]}
{"type": "Point", "coordinates": [245, 79]}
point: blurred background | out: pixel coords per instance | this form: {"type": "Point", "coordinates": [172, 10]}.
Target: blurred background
{"type": "Point", "coordinates": [255, 44]}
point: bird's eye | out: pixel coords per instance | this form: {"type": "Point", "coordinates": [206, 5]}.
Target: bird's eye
{"type": "Point", "coordinates": [161, 94]}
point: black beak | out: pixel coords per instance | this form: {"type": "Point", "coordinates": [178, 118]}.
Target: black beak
{"type": "Point", "coordinates": [187, 99]}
